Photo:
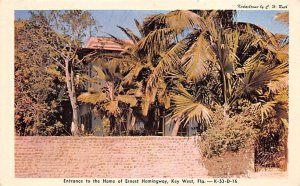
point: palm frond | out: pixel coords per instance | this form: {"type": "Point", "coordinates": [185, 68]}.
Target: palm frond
{"type": "Point", "coordinates": [165, 100]}
{"type": "Point", "coordinates": [124, 63]}
{"type": "Point", "coordinates": [176, 74]}
{"type": "Point", "coordinates": [258, 78]}
{"type": "Point", "coordinates": [232, 40]}
{"type": "Point", "coordinates": [250, 63]}
{"type": "Point", "coordinates": [100, 74]}
{"type": "Point", "coordinates": [276, 86]}
{"type": "Point", "coordinates": [139, 27]}
{"type": "Point", "coordinates": [258, 32]}
{"type": "Point", "coordinates": [172, 58]}
{"type": "Point", "coordinates": [261, 76]}
{"type": "Point", "coordinates": [130, 34]}
{"type": "Point", "coordinates": [126, 45]}
{"type": "Point", "coordinates": [85, 77]}
{"type": "Point", "coordinates": [189, 108]}
{"type": "Point", "coordinates": [156, 41]}
{"type": "Point", "coordinates": [267, 109]}
{"type": "Point", "coordinates": [282, 17]}
{"type": "Point", "coordinates": [282, 96]}
{"type": "Point", "coordinates": [163, 95]}
{"type": "Point", "coordinates": [112, 107]}
{"type": "Point", "coordinates": [129, 99]}
{"type": "Point", "coordinates": [195, 59]}
{"type": "Point", "coordinates": [128, 79]}
{"type": "Point", "coordinates": [178, 19]}
{"type": "Point", "coordinates": [285, 124]}
{"type": "Point", "coordinates": [93, 98]}
{"type": "Point", "coordinates": [117, 40]}
{"type": "Point", "coordinates": [112, 71]}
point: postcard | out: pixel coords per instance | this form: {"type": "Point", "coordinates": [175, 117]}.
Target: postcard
{"type": "Point", "coordinates": [149, 93]}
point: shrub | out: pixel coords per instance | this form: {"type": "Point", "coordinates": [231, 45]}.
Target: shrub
{"type": "Point", "coordinates": [227, 135]}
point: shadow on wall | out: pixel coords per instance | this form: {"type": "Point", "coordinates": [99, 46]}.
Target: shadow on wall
{"type": "Point", "coordinates": [239, 164]}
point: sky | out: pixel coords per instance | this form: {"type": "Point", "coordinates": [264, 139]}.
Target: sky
{"type": "Point", "coordinates": [110, 19]}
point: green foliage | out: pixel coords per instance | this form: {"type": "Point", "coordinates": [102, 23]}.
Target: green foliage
{"type": "Point", "coordinates": [46, 65]}
{"type": "Point", "coordinates": [231, 136]}
{"type": "Point", "coordinates": [36, 89]}
{"type": "Point", "coordinates": [56, 129]}
{"type": "Point", "coordinates": [186, 105]}
{"type": "Point", "coordinates": [271, 146]}
{"type": "Point", "coordinates": [217, 61]}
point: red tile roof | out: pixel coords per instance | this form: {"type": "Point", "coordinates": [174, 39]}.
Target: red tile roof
{"type": "Point", "coordinates": [104, 43]}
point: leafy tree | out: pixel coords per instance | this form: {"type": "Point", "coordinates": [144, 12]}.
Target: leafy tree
{"type": "Point", "coordinates": [63, 32]}
{"type": "Point", "coordinates": [36, 106]}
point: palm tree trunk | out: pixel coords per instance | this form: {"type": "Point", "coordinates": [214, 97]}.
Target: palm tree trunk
{"type": "Point", "coordinates": [225, 111]}
{"type": "Point", "coordinates": [176, 126]}
{"type": "Point", "coordinates": [132, 123]}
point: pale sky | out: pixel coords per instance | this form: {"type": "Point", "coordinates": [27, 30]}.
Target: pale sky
{"type": "Point", "coordinates": [109, 19]}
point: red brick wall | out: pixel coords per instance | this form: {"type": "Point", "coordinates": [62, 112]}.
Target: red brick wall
{"type": "Point", "coordinates": [107, 157]}
{"type": "Point", "coordinates": [231, 163]}
{"type": "Point", "coordinates": [122, 157]}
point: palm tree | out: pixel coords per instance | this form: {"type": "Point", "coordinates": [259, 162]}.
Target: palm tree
{"type": "Point", "coordinates": [234, 61]}
{"type": "Point", "coordinates": [151, 104]}
{"type": "Point", "coordinates": [136, 66]}
{"type": "Point", "coordinates": [108, 95]}
{"type": "Point", "coordinates": [199, 59]}
{"type": "Point", "coordinates": [234, 65]}
{"type": "Point", "coordinates": [273, 109]}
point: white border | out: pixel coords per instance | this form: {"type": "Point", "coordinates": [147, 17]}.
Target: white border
{"type": "Point", "coordinates": [7, 8]}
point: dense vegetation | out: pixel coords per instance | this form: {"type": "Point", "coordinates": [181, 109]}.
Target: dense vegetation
{"type": "Point", "coordinates": [187, 66]}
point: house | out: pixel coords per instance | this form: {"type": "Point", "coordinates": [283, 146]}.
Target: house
{"type": "Point", "coordinates": [93, 123]}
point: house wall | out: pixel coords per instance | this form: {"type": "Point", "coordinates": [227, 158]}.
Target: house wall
{"type": "Point", "coordinates": [108, 157]}
{"type": "Point", "coordinates": [85, 108]}
{"type": "Point", "coordinates": [191, 129]}
{"type": "Point", "coordinates": [97, 126]}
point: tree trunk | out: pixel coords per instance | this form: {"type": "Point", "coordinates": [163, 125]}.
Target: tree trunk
{"type": "Point", "coordinates": [226, 116]}
{"type": "Point", "coordinates": [132, 123]}
{"type": "Point", "coordinates": [72, 95]}
{"type": "Point", "coordinates": [176, 126]}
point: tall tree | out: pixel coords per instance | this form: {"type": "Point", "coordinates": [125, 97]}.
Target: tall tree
{"type": "Point", "coordinates": [63, 33]}
{"type": "Point", "coordinates": [232, 60]}
{"type": "Point", "coordinates": [272, 141]}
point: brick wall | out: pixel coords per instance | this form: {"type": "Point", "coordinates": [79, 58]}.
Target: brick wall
{"type": "Point", "coordinates": [230, 164]}
{"type": "Point", "coordinates": [122, 157]}
{"type": "Point", "coordinates": [107, 157]}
